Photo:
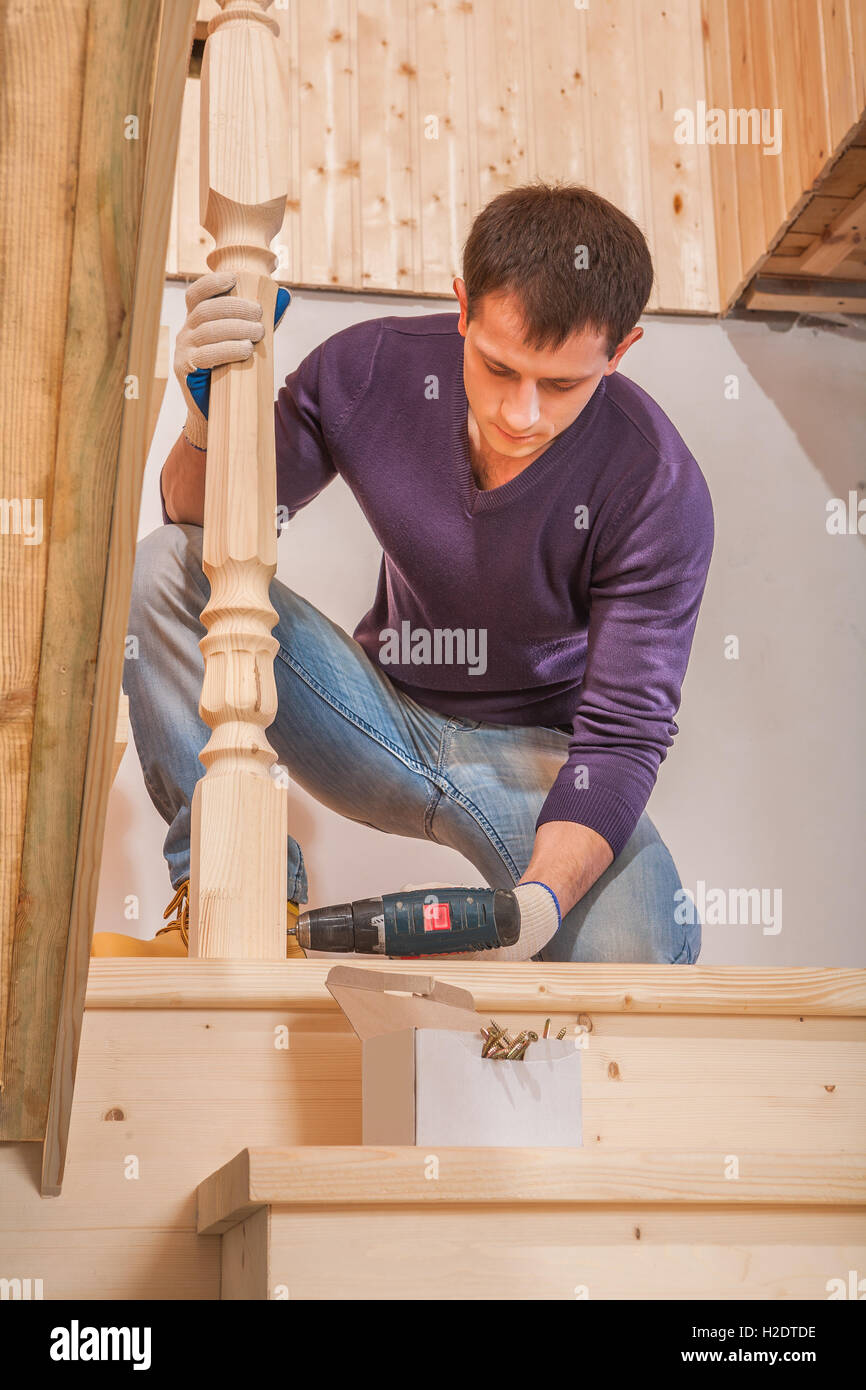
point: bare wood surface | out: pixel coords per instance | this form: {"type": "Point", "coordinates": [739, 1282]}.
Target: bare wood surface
{"type": "Point", "coordinates": [246, 1258]}
{"type": "Point", "coordinates": [181, 1089]}
{"type": "Point", "coordinates": [381, 199]}
{"type": "Point", "coordinates": [803, 59]}
{"type": "Point", "coordinates": [37, 220]}
{"type": "Point", "coordinates": [806, 294]}
{"type": "Point", "coordinates": [846, 231]}
{"type": "Point", "coordinates": [441, 1254]}
{"type": "Point", "coordinates": [158, 69]}
{"type": "Point", "coordinates": [84, 615]}
{"type": "Point", "coordinates": [364, 1175]}
{"type": "Point", "coordinates": [239, 817]}
{"type": "Point", "coordinates": [121, 734]}
{"type": "Point", "coordinates": [117, 983]}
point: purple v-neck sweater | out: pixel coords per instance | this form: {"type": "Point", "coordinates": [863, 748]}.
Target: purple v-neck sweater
{"type": "Point", "coordinates": [566, 597]}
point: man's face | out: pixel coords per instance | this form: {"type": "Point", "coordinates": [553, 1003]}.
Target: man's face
{"type": "Point", "coordinates": [522, 398]}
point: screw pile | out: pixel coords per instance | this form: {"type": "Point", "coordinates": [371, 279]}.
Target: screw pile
{"type": "Point", "coordinates": [499, 1045]}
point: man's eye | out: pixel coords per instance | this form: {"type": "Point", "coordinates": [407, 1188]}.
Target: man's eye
{"type": "Point", "coordinates": [563, 388]}
{"type": "Point", "coordinates": [497, 371]}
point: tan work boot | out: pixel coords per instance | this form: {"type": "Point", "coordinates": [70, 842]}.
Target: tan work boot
{"type": "Point", "coordinates": [173, 939]}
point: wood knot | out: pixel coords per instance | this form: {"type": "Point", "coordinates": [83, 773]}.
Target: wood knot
{"type": "Point", "coordinates": [114, 1114]}
{"type": "Point", "coordinates": [613, 1071]}
{"type": "Point", "coordinates": [829, 1088]}
{"type": "Point", "coordinates": [637, 1232]}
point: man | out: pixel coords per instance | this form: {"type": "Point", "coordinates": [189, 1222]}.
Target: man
{"type": "Point", "coordinates": [546, 536]}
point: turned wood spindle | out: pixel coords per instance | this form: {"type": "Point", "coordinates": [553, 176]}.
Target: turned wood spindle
{"type": "Point", "coordinates": [239, 825]}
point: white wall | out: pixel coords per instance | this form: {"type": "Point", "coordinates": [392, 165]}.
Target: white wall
{"type": "Point", "coordinates": [764, 785]}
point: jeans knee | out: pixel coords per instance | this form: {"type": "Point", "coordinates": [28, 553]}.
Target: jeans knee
{"type": "Point", "coordinates": [662, 936]}
{"type": "Point", "coordinates": [166, 561]}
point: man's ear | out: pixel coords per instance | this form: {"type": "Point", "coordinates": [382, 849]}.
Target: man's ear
{"type": "Point", "coordinates": [460, 291]}
{"type": "Point", "coordinates": [632, 337]}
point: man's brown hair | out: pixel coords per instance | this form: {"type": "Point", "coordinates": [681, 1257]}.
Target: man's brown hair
{"type": "Point", "coordinates": [528, 241]}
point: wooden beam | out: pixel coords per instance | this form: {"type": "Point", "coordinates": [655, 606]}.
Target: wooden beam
{"type": "Point", "coordinates": [806, 294]}
{"type": "Point", "coordinates": [364, 1175]}
{"type": "Point", "coordinates": [237, 901]}
{"type": "Point", "coordinates": [106, 171]}
{"type": "Point", "coordinates": [121, 734]}
{"type": "Point", "coordinates": [44, 51]}
{"type": "Point", "coordinates": [160, 68]}
{"type": "Point", "coordinates": [834, 245]}
{"type": "Point", "coordinates": [125, 983]}
{"type": "Point", "coordinates": [160, 377]}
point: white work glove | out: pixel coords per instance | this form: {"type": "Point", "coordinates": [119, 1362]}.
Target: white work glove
{"type": "Point", "coordinates": [539, 922]}
{"type": "Point", "coordinates": [218, 329]}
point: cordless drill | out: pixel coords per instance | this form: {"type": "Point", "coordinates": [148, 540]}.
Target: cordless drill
{"type": "Point", "coordinates": [414, 923]}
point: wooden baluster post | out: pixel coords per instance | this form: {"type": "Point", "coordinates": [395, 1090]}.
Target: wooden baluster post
{"type": "Point", "coordinates": [239, 826]}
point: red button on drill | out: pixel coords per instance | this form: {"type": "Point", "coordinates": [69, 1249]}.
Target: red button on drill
{"type": "Point", "coordinates": [437, 916]}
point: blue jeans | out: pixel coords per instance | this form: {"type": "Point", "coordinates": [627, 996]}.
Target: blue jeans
{"type": "Point", "coordinates": [372, 754]}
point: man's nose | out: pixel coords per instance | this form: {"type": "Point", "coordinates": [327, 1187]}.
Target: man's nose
{"type": "Point", "coordinates": [520, 408]}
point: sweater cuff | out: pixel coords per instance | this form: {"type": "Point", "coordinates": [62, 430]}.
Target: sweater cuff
{"type": "Point", "coordinates": [598, 808]}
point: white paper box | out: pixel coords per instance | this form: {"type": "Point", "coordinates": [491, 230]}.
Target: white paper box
{"type": "Point", "coordinates": [426, 1083]}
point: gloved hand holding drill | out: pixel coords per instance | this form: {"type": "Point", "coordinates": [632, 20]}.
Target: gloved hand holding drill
{"type": "Point", "coordinates": [540, 919]}
{"type": "Point", "coordinates": [434, 921]}
{"type": "Point", "coordinates": [219, 328]}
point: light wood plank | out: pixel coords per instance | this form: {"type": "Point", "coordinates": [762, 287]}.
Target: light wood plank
{"type": "Point", "coordinates": [559, 80]}
{"type": "Point", "coordinates": [690, 989]}
{"type": "Point", "coordinates": [613, 80]}
{"type": "Point", "coordinates": [849, 269]}
{"type": "Point", "coordinates": [765, 42]}
{"type": "Point", "coordinates": [847, 176]}
{"type": "Point", "coordinates": [747, 155]}
{"type": "Point", "coordinates": [367, 1176]}
{"type": "Point", "coordinates": [162, 367]}
{"type": "Point", "coordinates": [844, 234]}
{"type": "Point", "coordinates": [442, 151]}
{"type": "Point", "coordinates": [817, 147]}
{"type": "Point", "coordinates": [98, 1263]}
{"type": "Point", "coordinates": [180, 1089]}
{"type": "Point", "coordinates": [790, 98]}
{"type": "Point", "coordinates": [819, 213]}
{"type": "Point", "coordinates": [388, 140]}
{"type": "Point", "coordinates": [723, 167]}
{"type": "Point", "coordinates": [121, 733]}
{"type": "Point", "coordinates": [839, 68]}
{"type": "Point", "coordinates": [553, 1255]}
{"type": "Point", "coordinates": [194, 242]}
{"type": "Point", "coordinates": [245, 1259]}
{"type": "Point", "coordinates": [329, 150]}
{"type": "Point", "coordinates": [44, 52]}
{"type": "Point", "coordinates": [500, 98]}
{"type": "Point", "coordinates": [800, 295]}
{"type": "Point", "coordinates": [76, 702]}
{"type": "Point", "coordinates": [857, 21]}
{"type": "Point", "coordinates": [165, 47]}
{"type": "Point", "coordinates": [683, 243]}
